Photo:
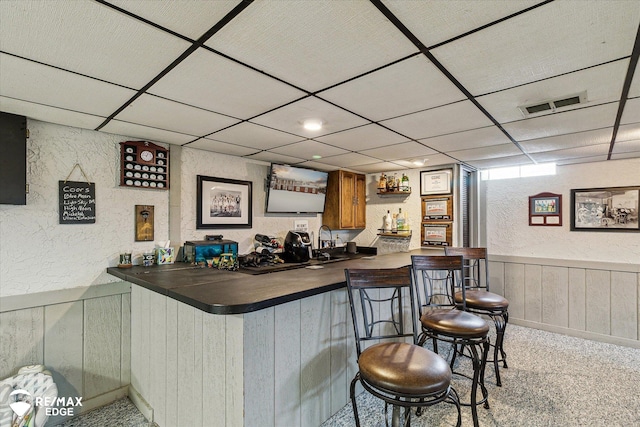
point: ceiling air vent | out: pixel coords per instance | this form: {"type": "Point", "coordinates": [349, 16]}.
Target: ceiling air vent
{"type": "Point", "coordinates": [553, 105]}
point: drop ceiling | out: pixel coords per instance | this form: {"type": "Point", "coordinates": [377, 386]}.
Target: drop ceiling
{"type": "Point", "coordinates": [392, 80]}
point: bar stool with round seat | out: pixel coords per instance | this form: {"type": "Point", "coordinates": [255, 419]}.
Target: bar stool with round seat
{"type": "Point", "coordinates": [401, 373]}
{"type": "Point", "coordinates": [479, 300]}
{"type": "Point", "coordinates": [436, 279]}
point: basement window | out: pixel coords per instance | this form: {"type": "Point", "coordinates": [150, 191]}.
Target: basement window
{"type": "Point", "coordinates": [518, 171]}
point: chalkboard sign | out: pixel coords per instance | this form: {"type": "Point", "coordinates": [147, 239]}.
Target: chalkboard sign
{"type": "Point", "coordinates": [77, 202]}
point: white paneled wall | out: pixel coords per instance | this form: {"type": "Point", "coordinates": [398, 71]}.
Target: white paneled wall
{"type": "Point", "coordinates": [285, 365]}
{"type": "Point", "coordinates": [593, 300]}
{"type": "Point", "coordinates": [81, 335]}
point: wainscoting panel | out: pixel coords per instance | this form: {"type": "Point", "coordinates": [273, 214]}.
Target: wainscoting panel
{"type": "Point", "coordinates": [21, 339]}
{"type": "Point", "coordinates": [593, 300]}
{"type": "Point", "coordinates": [82, 335]}
{"type": "Point", "coordinates": [286, 365]}
{"type": "Point", "coordinates": [63, 346]}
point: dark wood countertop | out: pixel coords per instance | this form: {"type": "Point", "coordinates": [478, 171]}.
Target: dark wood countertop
{"type": "Point", "coordinates": [228, 292]}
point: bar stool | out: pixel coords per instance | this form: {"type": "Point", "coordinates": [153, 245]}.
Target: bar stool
{"type": "Point", "coordinates": [480, 301]}
{"type": "Point", "coordinates": [436, 279]}
{"type": "Point", "coordinates": [400, 373]}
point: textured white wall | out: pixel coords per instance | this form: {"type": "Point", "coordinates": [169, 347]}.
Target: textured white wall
{"type": "Point", "coordinates": [198, 162]}
{"type": "Point", "coordinates": [377, 207]}
{"type": "Point", "coordinates": [507, 207]}
{"type": "Point", "coordinates": [39, 254]}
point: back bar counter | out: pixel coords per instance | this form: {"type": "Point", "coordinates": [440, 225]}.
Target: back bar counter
{"type": "Point", "coordinates": [226, 348]}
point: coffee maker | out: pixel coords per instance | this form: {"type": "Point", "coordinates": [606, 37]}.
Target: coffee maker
{"type": "Point", "coordinates": [297, 247]}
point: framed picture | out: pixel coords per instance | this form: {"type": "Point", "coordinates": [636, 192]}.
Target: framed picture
{"type": "Point", "coordinates": [437, 208]}
{"type": "Point", "coordinates": [437, 234]}
{"type": "Point", "coordinates": [545, 209]}
{"type": "Point", "coordinates": [223, 203]}
{"type": "Point", "coordinates": [605, 209]}
{"type": "Point", "coordinates": [435, 182]}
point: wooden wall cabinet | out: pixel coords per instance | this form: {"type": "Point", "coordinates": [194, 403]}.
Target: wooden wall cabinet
{"type": "Point", "coordinates": [13, 159]}
{"type": "Point", "coordinates": [345, 204]}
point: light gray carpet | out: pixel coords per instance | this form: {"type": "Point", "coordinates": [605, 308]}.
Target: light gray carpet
{"type": "Point", "coordinates": [552, 380]}
{"type": "Point", "coordinates": [121, 413]}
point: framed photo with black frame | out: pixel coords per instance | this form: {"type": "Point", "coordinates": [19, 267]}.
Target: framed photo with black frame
{"type": "Point", "coordinates": [223, 203]}
{"type": "Point", "coordinates": [605, 209]}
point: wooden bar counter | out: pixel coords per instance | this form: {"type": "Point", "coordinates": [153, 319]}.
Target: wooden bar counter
{"type": "Point", "coordinates": [227, 348]}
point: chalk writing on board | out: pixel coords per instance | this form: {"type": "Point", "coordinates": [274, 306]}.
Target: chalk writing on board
{"type": "Point", "coordinates": [77, 202]}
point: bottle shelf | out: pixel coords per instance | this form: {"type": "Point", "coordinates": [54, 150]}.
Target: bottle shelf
{"type": "Point", "coordinates": [402, 234]}
{"type": "Point", "coordinates": [393, 193]}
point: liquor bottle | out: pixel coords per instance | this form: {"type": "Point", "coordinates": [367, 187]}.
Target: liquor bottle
{"type": "Point", "coordinates": [382, 184]}
{"type": "Point", "coordinates": [405, 183]}
{"type": "Point", "coordinates": [400, 220]}
{"type": "Point", "coordinates": [387, 221]}
{"type": "Point", "coordinates": [390, 183]}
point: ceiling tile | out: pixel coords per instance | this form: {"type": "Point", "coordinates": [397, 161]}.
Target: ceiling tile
{"type": "Point", "coordinates": [254, 136]}
{"type": "Point", "coordinates": [156, 112]}
{"type": "Point", "coordinates": [631, 113]}
{"type": "Point", "coordinates": [378, 167]}
{"type": "Point", "coordinates": [501, 162]}
{"type": "Point", "coordinates": [318, 166]}
{"type": "Point", "coordinates": [308, 149]}
{"type": "Point", "coordinates": [627, 147]}
{"type": "Point", "coordinates": [189, 18]}
{"type": "Point", "coordinates": [266, 156]}
{"type": "Point", "coordinates": [571, 153]}
{"type": "Point", "coordinates": [439, 121]}
{"type": "Point", "coordinates": [556, 38]}
{"type": "Point", "coordinates": [603, 84]}
{"type": "Point", "coordinates": [221, 147]}
{"type": "Point", "coordinates": [482, 153]}
{"type": "Point", "coordinates": [589, 118]}
{"type": "Point", "coordinates": [144, 132]}
{"type": "Point", "coordinates": [406, 87]}
{"type": "Point", "coordinates": [34, 82]}
{"type": "Point", "coordinates": [290, 117]}
{"type": "Point", "coordinates": [348, 160]}
{"type": "Point", "coordinates": [570, 140]}
{"type": "Point", "coordinates": [573, 161]}
{"type": "Point", "coordinates": [49, 114]}
{"type": "Point", "coordinates": [338, 40]}
{"type": "Point", "coordinates": [210, 81]}
{"type": "Point", "coordinates": [438, 21]}
{"type": "Point", "coordinates": [482, 137]}
{"type": "Point", "coordinates": [432, 160]}
{"type": "Point", "coordinates": [400, 151]}
{"type": "Point", "coordinates": [88, 38]}
{"type": "Point", "coordinates": [628, 132]}
{"type": "Point", "coordinates": [362, 138]}
{"type": "Point", "coordinates": [634, 90]}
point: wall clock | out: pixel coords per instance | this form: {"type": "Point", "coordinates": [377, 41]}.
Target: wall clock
{"type": "Point", "coordinates": [146, 156]}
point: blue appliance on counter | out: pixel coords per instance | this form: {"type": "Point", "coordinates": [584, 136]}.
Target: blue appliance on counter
{"type": "Point", "coordinates": [200, 251]}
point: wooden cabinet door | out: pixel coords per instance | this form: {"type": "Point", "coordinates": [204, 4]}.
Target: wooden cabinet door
{"type": "Point", "coordinates": [360, 214]}
{"type": "Point", "coordinates": [347, 200]}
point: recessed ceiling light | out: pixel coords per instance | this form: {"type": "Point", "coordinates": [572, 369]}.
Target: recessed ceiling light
{"type": "Point", "coordinates": [316, 156]}
{"type": "Point", "coordinates": [419, 162]}
{"type": "Point", "coordinates": [312, 124]}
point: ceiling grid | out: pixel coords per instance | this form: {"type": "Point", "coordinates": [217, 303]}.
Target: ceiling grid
{"type": "Point", "coordinates": [392, 80]}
